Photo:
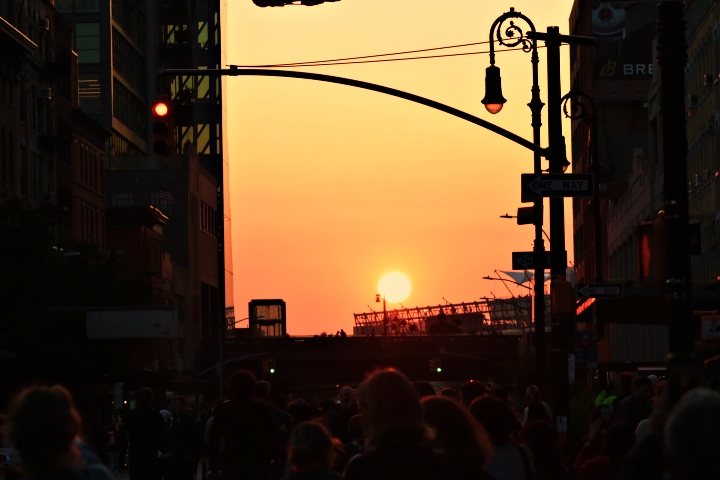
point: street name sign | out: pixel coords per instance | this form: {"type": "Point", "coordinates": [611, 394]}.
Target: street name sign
{"type": "Point", "coordinates": [600, 290]}
{"type": "Point", "coordinates": [556, 185]}
{"type": "Point", "coordinates": [526, 260]}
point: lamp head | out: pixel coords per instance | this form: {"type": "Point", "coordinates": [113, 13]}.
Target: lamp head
{"type": "Point", "coordinates": [377, 297]}
{"type": "Point", "coordinates": [494, 99]}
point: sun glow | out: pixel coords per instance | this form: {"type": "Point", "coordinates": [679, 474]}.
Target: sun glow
{"type": "Point", "coordinates": [395, 287]}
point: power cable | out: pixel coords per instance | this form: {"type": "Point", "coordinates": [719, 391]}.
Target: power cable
{"type": "Point", "coordinates": [372, 56]}
{"type": "Point", "coordinates": [332, 62]}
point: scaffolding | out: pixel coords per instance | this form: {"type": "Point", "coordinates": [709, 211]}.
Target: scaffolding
{"type": "Point", "coordinates": [489, 315]}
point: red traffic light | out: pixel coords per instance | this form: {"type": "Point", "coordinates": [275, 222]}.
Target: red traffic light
{"type": "Point", "coordinates": [163, 126]}
{"type": "Point", "coordinates": [160, 109]}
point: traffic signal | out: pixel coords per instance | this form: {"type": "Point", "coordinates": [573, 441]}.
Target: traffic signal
{"type": "Point", "coordinates": [438, 365]}
{"type": "Point", "coordinates": [163, 126]}
{"type": "Point", "coordinates": [265, 366]}
{"type": "Point", "coordinates": [271, 365]}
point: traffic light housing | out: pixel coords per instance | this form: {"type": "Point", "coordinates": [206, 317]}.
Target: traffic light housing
{"type": "Point", "coordinates": [271, 365]}
{"type": "Point", "coordinates": [163, 112]}
{"type": "Point", "coordinates": [438, 365]}
{"type": "Point", "coordinates": [265, 366]}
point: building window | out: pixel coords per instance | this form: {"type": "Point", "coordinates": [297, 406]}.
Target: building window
{"type": "Point", "coordinates": [128, 62]}
{"type": "Point", "coordinates": [77, 5]}
{"type": "Point", "coordinates": [89, 92]}
{"type": "Point", "coordinates": [87, 42]}
{"type": "Point", "coordinates": [129, 109]}
{"type": "Point", "coordinates": [163, 203]}
{"type": "Point", "coordinates": [208, 219]}
{"type": "Point", "coordinates": [121, 199]}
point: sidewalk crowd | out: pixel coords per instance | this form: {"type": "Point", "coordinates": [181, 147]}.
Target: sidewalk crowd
{"type": "Point", "coordinates": [387, 428]}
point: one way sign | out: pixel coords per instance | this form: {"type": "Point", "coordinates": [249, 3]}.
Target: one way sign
{"type": "Point", "coordinates": [600, 290]}
{"type": "Point", "coordinates": [556, 185]}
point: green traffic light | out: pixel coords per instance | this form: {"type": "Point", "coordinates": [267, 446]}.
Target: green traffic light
{"type": "Point", "coordinates": [272, 370]}
{"type": "Point", "coordinates": [439, 369]}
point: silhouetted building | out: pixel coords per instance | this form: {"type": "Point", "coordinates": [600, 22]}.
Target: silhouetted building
{"type": "Point", "coordinates": [121, 45]}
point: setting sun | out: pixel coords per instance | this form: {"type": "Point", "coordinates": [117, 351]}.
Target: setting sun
{"type": "Point", "coordinates": [395, 287]}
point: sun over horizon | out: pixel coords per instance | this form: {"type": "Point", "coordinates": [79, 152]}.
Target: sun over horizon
{"type": "Point", "coordinates": [332, 186]}
{"type": "Point", "coordinates": [395, 287]}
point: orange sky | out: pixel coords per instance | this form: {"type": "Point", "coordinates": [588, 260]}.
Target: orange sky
{"type": "Point", "coordinates": [332, 186]}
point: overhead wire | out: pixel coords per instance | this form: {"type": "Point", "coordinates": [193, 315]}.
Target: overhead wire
{"type": "Point", "coordinates": [364, 59]}
{"type": "Point", "coordinates": [379, 54]}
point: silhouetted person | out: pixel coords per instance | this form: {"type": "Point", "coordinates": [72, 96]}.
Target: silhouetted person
{"type": "Point", "coordinates": [542, 439]}
{"type": "Point", "coordinates": [471, 390]}
{"type": "Point", "coordinates": [144, 425]}
{"type": "Point", "coordinates": [532, 394]}
{"type": "Point", "coordinates": [692, 438]}
{"type": "Point", "coordinates": [247, 430]}
{"type": "Point", "coordinates": [185, 442]}
{"type": "Point", "coordinates": [354, 447]}
{"type": "Point", "coordinates": [615, 447]}
{"type": "Point", "coordinates": [342, 333]}
{"type": "Point", "coordinates": [339, 414]}
{"type": "Point", "coordinates": [459, 436]}
{"type": "Point", "coordinates": [311, 453]}
{"type": "Point", "coordinates": [450, 393]}
{"type": "Point", "coordinates": [636, 407]}
{"type": "Point", "coordinates": [423, 388]}
{"type": "Point", "coordinates": [43, 427]}
{"type": "Point", "coordinates": [509, 461]}
{"type": "Point", "coordinates": [397, 436]}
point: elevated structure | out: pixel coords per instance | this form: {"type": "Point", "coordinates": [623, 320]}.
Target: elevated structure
{"type": "Point", "coordinates": [511, 315]}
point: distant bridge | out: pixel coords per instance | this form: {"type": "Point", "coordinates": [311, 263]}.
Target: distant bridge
{"type": "Point", "coordinates": [487, 315]}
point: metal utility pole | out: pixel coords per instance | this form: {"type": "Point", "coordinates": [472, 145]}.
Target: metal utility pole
{"type": "Point", "coordinates": [672, 57]}
{"type": "Point", "coordinates": [562, 295]}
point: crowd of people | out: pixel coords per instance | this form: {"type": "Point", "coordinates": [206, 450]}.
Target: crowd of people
{"type": "Point", "coordinates": [387, 428]}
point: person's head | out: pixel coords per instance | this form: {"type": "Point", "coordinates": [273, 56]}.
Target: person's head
{"type": "Point", "coordinates": [310, 448]}
{"type": "Point", "coordinates": [345, 395]}
{"type": "Point", "coordinates": [532, 394]}
{"type": "Point", "coordinates": [456, 432]}
{"type": "Point", "coordinates": [423, 388]}
{"type": "Point", "coordinates": [390, 409]}
{"type": "Point", "coordinates": [643, 388]}
{"type": "Point", "coordinates": [179, 406]}
{"type": "Point", "coordinates": [43, 426]}
{"type": "Point", "coordinates": [450, 393]}
{"type": "Point", "coordinates": [242, 385]}
{"type": "Point", "coordinates": [471, 390]}
{"type": "Point", "coordinates": [692, 437]}
{"type": "Point", "coordinates": [626, 382]}
{"type": "Point", "coordinates": [355, 428]}
{"type": "Point", "coordinates": [262, 392]}
{"type": "Point", "coordinates": [499, 421]}
{"type": "Point", "coordinates": [144, 397]}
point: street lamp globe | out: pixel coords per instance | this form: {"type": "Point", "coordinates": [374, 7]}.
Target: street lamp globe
{"type": "Point", "coordinates": [494, 99]}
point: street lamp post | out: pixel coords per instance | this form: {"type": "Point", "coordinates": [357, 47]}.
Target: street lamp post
{"type": "Point", "coordinates": [378, 296]}
{"type": "Point", "coordinates": [493, 98]}
{"type": "Point", "coordinates": [562, 301]}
